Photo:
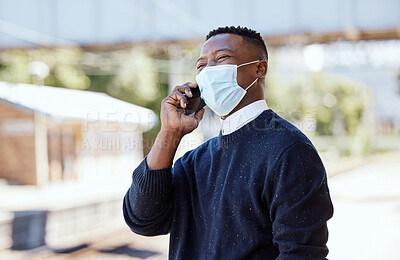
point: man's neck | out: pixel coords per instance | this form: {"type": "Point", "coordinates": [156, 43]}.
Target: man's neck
{"type": "Point", "coordinates": [240, 106]}
{"type": "Point", "coordinates": [242, 116]}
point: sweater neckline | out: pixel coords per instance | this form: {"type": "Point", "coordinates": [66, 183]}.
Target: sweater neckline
{"type": "Point", "coordinates": [252, 125]}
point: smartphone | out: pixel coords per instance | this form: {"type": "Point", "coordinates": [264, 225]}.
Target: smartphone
{"type": "Point", "coordinates": [195, 103]}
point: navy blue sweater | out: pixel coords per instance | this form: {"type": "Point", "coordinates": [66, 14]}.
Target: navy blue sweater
{"type": "Point", "coordinates": [258, 193]}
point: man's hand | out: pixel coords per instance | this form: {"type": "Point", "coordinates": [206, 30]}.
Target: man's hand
{"type": "Point", "coordinates": [173, 116]}
{"type": "Point", "coordinates": [174, 125]}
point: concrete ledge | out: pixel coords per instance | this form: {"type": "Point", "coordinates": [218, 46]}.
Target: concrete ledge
{"type": "Point", "coordinates": [6, 219]}
{"type": "Point", "coordinates": [57, 229]}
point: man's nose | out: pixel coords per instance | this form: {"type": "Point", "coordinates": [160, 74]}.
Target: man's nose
{"type": "Point", "coordinates": [211, 63]}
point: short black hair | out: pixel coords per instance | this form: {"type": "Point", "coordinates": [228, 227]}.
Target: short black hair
{"type": "Point", "coordinates": [248, 35]}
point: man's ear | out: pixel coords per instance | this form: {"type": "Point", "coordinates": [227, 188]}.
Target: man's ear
{"type": "Point", "coordinates": [262, 69]}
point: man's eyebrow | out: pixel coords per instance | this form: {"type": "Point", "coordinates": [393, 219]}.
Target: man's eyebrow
{"type": "Point", "coordinates": [199, 59]}
{"type": "Point", "coordinates": [223, 49]}
{"type": "Point", "coordinates": [215, 52]}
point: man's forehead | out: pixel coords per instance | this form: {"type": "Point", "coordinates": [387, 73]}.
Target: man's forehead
{"type": "Point", "coordinates": [224, 41]}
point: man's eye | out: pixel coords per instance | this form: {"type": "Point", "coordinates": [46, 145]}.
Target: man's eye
{"type": "Point", "coordinates": [222, 57]}
{"type": "Point", "coordinates": [200, 66]}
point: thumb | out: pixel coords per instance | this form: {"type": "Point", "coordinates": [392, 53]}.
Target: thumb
{"type": "Point", "coordinates": [198, 116]}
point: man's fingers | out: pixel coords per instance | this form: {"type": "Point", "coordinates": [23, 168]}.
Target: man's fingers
{"type": "Point", "coordinates": [191, 84]}
{"type": "Point", "coordinates": [185, 88]}
{"type": "Point", "coordinates": [177, 98]}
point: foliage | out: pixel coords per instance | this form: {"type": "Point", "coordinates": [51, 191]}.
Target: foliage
{"type": "Point", "coordinates": [63, 65]}
{"type": "Point", "coordinates": [128, 74]}
{"type": "Point", "coordinates": [336, 104]}
{"type": "Point", "coordinates": [141, 75]}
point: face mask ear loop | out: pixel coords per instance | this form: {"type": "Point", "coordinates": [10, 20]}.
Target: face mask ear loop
{"type": "Point", "coordinates": [251, 84]}
{"type": "Point", "coordinates": [247, 63]}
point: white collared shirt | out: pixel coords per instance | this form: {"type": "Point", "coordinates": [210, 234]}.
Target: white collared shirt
{"type": "Point", "coordinates": [243, 116]}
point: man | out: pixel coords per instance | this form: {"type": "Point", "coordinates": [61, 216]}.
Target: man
{"type": "Point", "coordinates": [256, 191]}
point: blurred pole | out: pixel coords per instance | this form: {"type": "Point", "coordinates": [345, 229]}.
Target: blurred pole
{"type": "Point", "coordinates": [176, 67]}
{"type": "Point", "coordinates": [39, 71]}
{"type": "Point", "coordinates": [41, 151]}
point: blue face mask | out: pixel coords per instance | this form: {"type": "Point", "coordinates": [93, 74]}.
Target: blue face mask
{"type": "Point", "coordinates": [219, 88]}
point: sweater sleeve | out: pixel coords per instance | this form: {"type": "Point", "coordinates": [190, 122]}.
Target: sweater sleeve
{"type": "Point", "coordinates": [147, 205]}
{"type": "Point", "coordinates": [300, 204]}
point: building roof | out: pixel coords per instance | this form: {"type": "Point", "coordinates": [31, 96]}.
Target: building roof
{"type": "Point", "coordinates": [51, 23]}
{"type": "Point", "coordinates": [77, 105]}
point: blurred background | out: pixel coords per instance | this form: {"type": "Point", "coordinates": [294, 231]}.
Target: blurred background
{"type": "Point", "coordinates": [81, 84]}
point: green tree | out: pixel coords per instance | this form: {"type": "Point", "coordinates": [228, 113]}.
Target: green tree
{"type": "Point", "coordinates": [337, 104]}
{"type": "Point", "coordinates": [129, 74]}
{"type": "Point", "coordinates": [64, 66]}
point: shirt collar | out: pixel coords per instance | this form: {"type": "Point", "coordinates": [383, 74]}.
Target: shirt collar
{"type": "Point", "coordinates": [242, 116]}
